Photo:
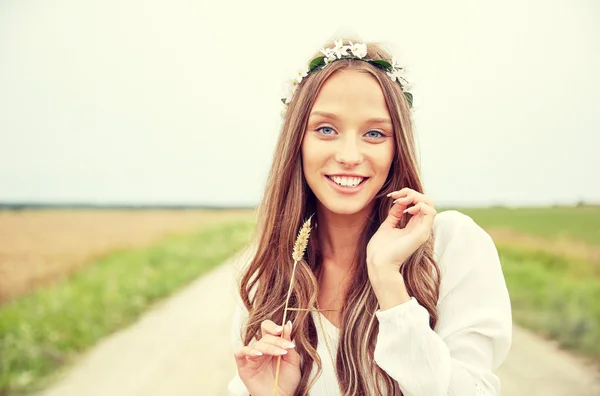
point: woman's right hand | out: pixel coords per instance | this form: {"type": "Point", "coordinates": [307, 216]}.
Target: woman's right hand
{"type": "Point", "coordinates": [256, 364]}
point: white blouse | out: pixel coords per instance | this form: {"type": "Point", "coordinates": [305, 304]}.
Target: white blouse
{"type": "Point", "coordinates": [471, 338]}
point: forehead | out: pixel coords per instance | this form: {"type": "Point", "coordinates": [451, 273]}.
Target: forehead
{"type": "Point", "coordinates": [352, 93]}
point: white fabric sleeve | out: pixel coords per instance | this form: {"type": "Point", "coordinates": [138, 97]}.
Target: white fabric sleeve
{"type": "Point", "coordinates": [473, 334]}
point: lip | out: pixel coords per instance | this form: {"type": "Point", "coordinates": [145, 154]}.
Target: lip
{"type": "Point", "coordinates": [347, 175]}
{"type": "Point", "coordinates": [347, 190]}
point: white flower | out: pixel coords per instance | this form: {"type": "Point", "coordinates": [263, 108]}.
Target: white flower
{"type": "Point", "coordinates": [340, 49]}
{"type": "Point", "coordinates": [329, 55]}
{"type": "Point", "coordinates": [399, 76]}
{"type": "Point", "coordinates": [300, 74]}
{"type": "Point", "coordinates": [290, 87]}
{"type": "Point", "coordinates": [327, 52]}
{"type": "Point", "coordinates": [406, 85]}
{"type": "Point", "coordinates": [396, 75]}
{"type": "Point", "coordinates": [359, 50]}
{"type": "Point", "coordinates": [395, 63]}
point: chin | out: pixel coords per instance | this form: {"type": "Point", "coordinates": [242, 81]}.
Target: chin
{"type": "Point", "coordinates": [344, 208]}
{"type": "Point", "coordinates": [342, 204]}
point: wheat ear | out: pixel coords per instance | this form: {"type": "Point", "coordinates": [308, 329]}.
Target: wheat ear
{"type": "Point", "coordinates": [299, 249]}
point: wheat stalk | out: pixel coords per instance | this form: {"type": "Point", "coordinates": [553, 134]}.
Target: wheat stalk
{"type": "Point", "coordinates": [299, 249]}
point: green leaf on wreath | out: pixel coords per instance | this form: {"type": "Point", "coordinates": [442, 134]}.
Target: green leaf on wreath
{"type": "Point", "coordinates": [317, 62]}
{"type": "Point", "coordinates": [382, 63]}
{"type": "Point", "coordinates": [409, 98]}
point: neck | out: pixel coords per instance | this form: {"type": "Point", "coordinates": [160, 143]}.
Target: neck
{"type": "Point", "coordinates": [339, 235]}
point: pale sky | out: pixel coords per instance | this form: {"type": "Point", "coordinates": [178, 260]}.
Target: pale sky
{"type": "Point", "coordinates": [178, 101]}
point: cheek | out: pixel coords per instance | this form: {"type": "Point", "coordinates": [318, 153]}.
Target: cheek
{"type": "Point", "coordinates": [313, 156]}
{"type": "Point", "coordinates": [307, 160]}
{"type": "Point", "coordinates": [384, 160]}
{"type": "Point", "coordinates": [304, 152]}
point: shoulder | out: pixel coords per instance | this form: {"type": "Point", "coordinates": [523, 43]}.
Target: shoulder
{"type": "Point", "coordinates": [450, 221]}
{"type": "Point", "coordinates": [453, 228]}
{"type": "Point", "coordinates": [464, 251]}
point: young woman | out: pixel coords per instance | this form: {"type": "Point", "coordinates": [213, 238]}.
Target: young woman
{"type": "Point", "coordinates": [398, 300]}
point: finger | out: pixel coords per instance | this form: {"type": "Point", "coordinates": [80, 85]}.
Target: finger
{"type": "Point", "coordinates": [292, 356]}
{"type": "Point", "coordinates": [400, 193]}
{"type": "Point", "coordinates": [429, 214]}
{"type": "Point", "coordinates": [423, 216]}
{"type": "Point", "coordinates": [246, 352]}
{"type": "Point", "coordinates": [409, 192]}
{"type": "Point", "coordinates": [269, 349]}
{"type": "Point", "coordinates": [412, 196]}
{"type": "Point", "coordinates": [278, 341]}
{"type": "Point", "coordinates": [414, 199]}
{"type": "Point", "coordinates": [270, 327]}
{"type": "Point", "coordinates": [394, 215]}
{"type": "Point", "coordinates": [414, 210]}
{"type": "Point", "coordinates": [421, 208]}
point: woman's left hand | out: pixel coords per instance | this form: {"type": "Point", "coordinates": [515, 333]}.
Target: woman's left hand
{"type": "Point", "coordinates": [390, 247]}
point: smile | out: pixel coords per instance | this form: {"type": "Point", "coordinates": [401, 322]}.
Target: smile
{"type": "Point", "coordinates": [346, 185]}
{"type": "Point", "coordinates": [346, 181]}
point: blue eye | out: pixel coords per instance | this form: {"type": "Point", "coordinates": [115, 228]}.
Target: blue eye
{"type": "Point", "coordinates": [323, 129]}
{"type": "Point", "coordinates": [379, 136]}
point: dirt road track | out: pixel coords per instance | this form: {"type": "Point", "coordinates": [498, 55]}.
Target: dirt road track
{"type": "Point", "coordinates": [182, 348]}
{"type": "Point", "coordinates": [537, 367]}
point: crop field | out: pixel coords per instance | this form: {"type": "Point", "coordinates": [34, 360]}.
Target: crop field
{"type": "Point", "coordinates": [39, 246]}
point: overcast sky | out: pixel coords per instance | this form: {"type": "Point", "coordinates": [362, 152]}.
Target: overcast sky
{"type": "Point", "coordinates": [178, 101]}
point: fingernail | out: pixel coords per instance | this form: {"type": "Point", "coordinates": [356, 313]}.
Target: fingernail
{"type": "Point", "coordinates": [282, 351]}
{"type": "Point", "coordinates": [278, 329]}
{"type": "Point", "coordinates": [389, 195]}
{"type": "Point", "coordinates": [256, 353]}
{"type": "Point", "coordinates": [290, 345]}
{"type": "Point", "coordinates": [406, 210]}
{"type": "Point", "coordinates": [290, 323]}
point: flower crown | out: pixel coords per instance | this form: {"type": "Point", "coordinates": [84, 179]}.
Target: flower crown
{"type": "Point", "coordinates": [352, 51]}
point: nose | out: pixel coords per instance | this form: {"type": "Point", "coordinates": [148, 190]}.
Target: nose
{"type": "Point", "coordinates": [349, 153]}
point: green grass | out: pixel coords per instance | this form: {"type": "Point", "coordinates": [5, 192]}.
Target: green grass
{"type": "Point", "coordinates": [575, 223]}
{"type": "Point", "coordinates": [555, 296]}
{"type": "Point", "coordinates": [46, 330]}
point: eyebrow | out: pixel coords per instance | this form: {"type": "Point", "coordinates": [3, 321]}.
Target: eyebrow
{"type": "Point", "coordinates": [334, 117]}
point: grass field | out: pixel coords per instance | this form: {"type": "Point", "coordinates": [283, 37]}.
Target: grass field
{"type": "Point", "coordinates": [574, 224]}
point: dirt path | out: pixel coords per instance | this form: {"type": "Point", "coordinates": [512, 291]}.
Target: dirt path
{"type": "Point", "coordinates": [179, 348]}
{"type": "Point", "coordinates": [182, 348]}
{"type": "Point", "coordinates": [538, 367]}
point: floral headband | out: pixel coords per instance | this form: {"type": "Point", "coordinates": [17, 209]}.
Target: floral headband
{"type": "Point", "coordinates": [352, 51]}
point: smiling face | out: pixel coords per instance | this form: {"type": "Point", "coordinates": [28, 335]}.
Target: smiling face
{"type": "Point", "coordinates": [348, 147]}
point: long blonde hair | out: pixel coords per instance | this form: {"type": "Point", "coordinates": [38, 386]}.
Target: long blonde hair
{"type": "Point", "coordinates": [288, 201]}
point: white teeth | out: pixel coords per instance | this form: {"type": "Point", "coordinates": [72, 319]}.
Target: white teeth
{"type": "Point", "coordinates": [347, 181]}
